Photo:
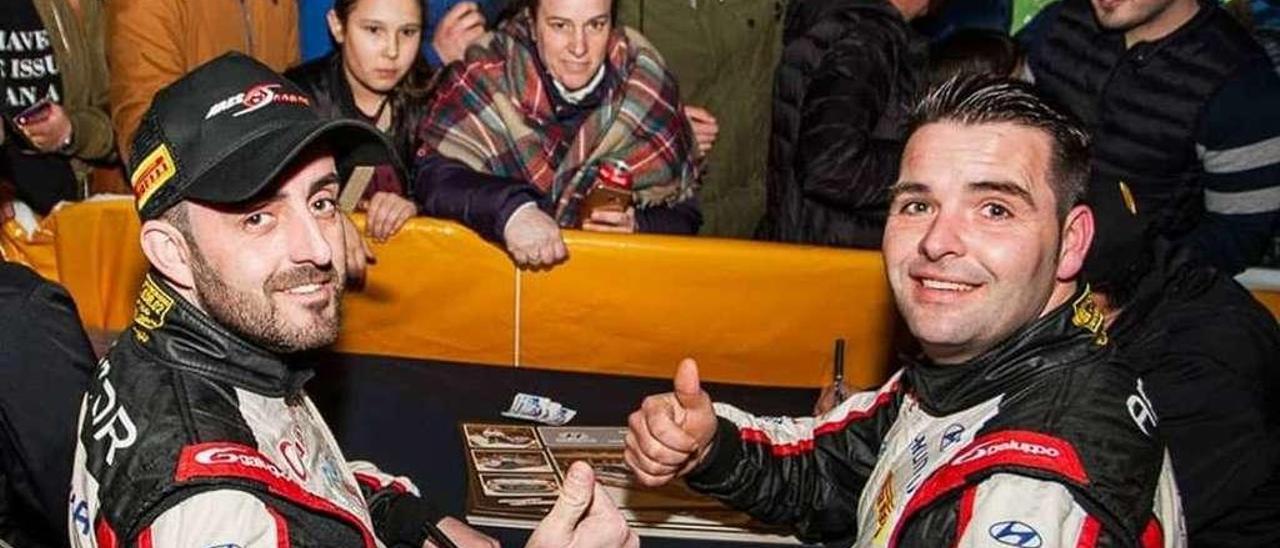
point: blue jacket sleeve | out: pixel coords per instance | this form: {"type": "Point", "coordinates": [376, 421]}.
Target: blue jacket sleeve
{"type": "Point", "coordinates": [1239, 151]}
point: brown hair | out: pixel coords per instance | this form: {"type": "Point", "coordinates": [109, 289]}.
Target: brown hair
{"type": "Point", "coordinates": [972, 99]}
{"type": "Point", "coordinates": [408, 98]}
{"type": "Point", "coordinates": [532, 6]}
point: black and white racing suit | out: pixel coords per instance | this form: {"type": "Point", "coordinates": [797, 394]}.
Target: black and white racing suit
{"type": "Point", "coordinates": [192, 436]}
{"type": "Point", "coordinates": [1044, 441]}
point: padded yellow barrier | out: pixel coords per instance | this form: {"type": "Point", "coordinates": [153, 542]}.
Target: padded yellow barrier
{"type": "Point", "coordinates": [99, 261]}
{"type": "Point", "coordinates": [35, 251]}
{"type": "Point", "coordinates": [1269, 299]}
{"type": "Point", "coordinates": [750, 313]}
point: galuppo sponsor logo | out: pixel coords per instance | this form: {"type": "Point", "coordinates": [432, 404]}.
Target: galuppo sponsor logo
{"type": "Point", "coordinates": [993, 448]}
{"type": "Point", "coordinates": [254, 99]}
{"type": "Point", "coordinates": [237, 456]}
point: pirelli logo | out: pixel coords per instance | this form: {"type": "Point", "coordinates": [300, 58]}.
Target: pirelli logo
{"type": "Point", "coordinates": [155, 170]}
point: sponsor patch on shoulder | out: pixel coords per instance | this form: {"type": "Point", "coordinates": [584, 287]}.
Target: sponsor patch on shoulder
{"type": "Point", "coordinates": [152, 306]}
{"type": "Point", "coordinates": [1087, 316]}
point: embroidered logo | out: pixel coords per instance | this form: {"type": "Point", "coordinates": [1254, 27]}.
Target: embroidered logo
{"type": "Point", "coordinates": [1016, 533]}
{"type": "Point", "coordinates": [952, 435]}
{"type": "Point", "coordinates": [1088, 317]}
{"type": "Point", "coordinates": [152, 306]}
{"type": "Point", "coordinates": [883, 506]}
{"type": "Point", "coordinates": [254, 99]}
{"type": "Point", "coordinates": [1141, 410]}
{"type": "Point", "coordinates": [153, 172]}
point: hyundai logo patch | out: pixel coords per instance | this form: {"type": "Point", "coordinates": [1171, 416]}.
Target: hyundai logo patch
{"type": "Point", "coordinates": [1016, 533]}
{"type": "Point", "coordinates": [951, 435]}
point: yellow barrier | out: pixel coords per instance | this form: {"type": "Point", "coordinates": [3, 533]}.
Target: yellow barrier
{"type": "Point", "coordinates": [1269, 299]}
{"type": "Point", "coordinates": [34, 251]}
{"type": "Point", "coordinates": [750, 313]}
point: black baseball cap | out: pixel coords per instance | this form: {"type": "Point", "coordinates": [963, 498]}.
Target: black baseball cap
{"type": "Point", "coordinates": [1122, 237]}
{"type": "Point", "coordinates": [223, 133]}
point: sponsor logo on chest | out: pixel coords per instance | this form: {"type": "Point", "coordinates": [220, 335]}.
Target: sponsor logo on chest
{"type": "Point", "coordinates": [916, 447]}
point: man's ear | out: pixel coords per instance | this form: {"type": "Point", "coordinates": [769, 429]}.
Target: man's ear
{"type": "Point", "coordinates": [335, 25]}
{"type": "Point", "coordinates": [1077, 236]}
{"type": "Point", "coordinates": [168, 251]}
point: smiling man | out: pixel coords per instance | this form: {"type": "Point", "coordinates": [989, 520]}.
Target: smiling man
{"type": "Point", "coordinates": [195, 430]}
{"type": "Point", "coordinates": [1014, 426]}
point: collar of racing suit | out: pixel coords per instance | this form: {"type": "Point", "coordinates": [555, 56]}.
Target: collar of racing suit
{"type": "Point", "coordinates": [182, 336]}
{"type": "Point", "coordinates": [1070, 334]}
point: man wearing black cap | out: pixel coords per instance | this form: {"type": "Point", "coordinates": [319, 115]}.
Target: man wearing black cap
{"type": "Point", "coordinates": [1206, 351]}
{"type": "Point", "coordinates": [195, 430]}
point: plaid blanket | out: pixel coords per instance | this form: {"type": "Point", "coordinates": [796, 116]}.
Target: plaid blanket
{"type": "Point", "coordinates": [494, 113]}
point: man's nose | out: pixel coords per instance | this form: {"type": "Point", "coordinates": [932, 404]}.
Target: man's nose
{"type": "Point", "coordinates": [307, 242]}
{"type": "Point", "coordinates": [944, 237]}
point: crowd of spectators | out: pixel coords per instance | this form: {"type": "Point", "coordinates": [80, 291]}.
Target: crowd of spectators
{"type": "Point", "coordinates": [523, 118]}
{"type": "Point", "coordinates": [827, 82]}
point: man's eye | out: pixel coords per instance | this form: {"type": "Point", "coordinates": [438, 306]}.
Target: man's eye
{"type": "Point", "coordinates": [257, 220]}
{"type": "Point", "coordinates": [914, 208]}
{"type": "Point", "coordinates": [409, 33]}
{"type": "Point", "coordinates": [996, 211]}
{"type": "Point", "coordinates": [598, 25]}
{"type": "Point", "coordinates": [324, 205]}
{"type": "Point", "coordinates": [373, 30]}
{"type": "Point", "coordinates": [559, 25]}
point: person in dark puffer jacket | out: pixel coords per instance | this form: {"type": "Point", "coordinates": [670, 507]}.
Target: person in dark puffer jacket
{"type": "Point", "coordinates": [1185, 110]}
{"type": "Point", "coordinates": [849, 69]}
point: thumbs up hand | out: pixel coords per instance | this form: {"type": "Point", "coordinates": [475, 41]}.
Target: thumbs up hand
{"type": "Point", "coordinates": [671, 433]}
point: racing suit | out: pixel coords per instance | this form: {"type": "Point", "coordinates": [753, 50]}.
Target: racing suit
{"type": "Point", "coordinates": [192, 436]}
{"type": "Point", "coordinates": [1042, 441]}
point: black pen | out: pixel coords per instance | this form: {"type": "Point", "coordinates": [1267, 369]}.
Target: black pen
{"type": "Point", "coordinates": [434, 534]}
{"type": "Point", "coordinates": [837, 372]}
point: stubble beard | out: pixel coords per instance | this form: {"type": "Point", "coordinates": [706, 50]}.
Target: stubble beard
{"type": "Point", "coordinates": [258, 319]}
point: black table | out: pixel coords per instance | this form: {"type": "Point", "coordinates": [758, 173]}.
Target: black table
{"type": "Point", "coordinates": [403, 414]}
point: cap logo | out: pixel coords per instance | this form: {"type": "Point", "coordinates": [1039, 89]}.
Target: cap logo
{"type": "Point", "coordinates": [254, 99]}
{"type": "Point", "coordinates": [155, 170]}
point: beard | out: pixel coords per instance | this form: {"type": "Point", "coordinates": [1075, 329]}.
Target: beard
{"type": "Point", "coordinates": [258, 319]}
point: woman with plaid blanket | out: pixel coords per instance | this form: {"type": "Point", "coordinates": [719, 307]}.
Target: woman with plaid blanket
{"type": "Point", "coordinates": [518, 133]}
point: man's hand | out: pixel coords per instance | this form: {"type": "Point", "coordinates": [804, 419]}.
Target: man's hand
{"type": "Point", "coordinates": [670, 433]}
{"type": "Point", "coordinates": [705, 128]}
{"type": "Point", "coordinates": [460, 26]}
{"type": "Point", "coordinates": [463, 535]}
{"type": "Point", "coordinates": [611, 220]}
{"type": "Point", "coordinates": [388, 212]}
{"type": "Point", "coordinates": [357, 251]}
{"type": "Point", "coordinates": [830, 397]}
{"type": "Point", "coordinates": [584, 517]}
{"type": "Point", "coordinates": [533, 238]}
{"type": "Point", "coordinates": [49, 133]}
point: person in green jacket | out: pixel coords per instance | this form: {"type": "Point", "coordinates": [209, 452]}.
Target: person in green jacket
{"type": "Point", "coordinates": [723, 55]}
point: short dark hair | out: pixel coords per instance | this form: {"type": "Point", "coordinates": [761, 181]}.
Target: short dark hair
{"type": "Point", "coordinates": [532, 6]}
{"type": "Point", "coordinates": [972, 99]}
{"type": "Point", "coordinates": [973, 50]}
{"type": "Point", "coordinates": [178, 216]}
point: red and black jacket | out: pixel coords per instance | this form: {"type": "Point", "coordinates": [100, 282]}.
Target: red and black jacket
{"type": "Point", "coordinates": [191, 434]}
{"type": "Point", "coordinates": [1043, 441]}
